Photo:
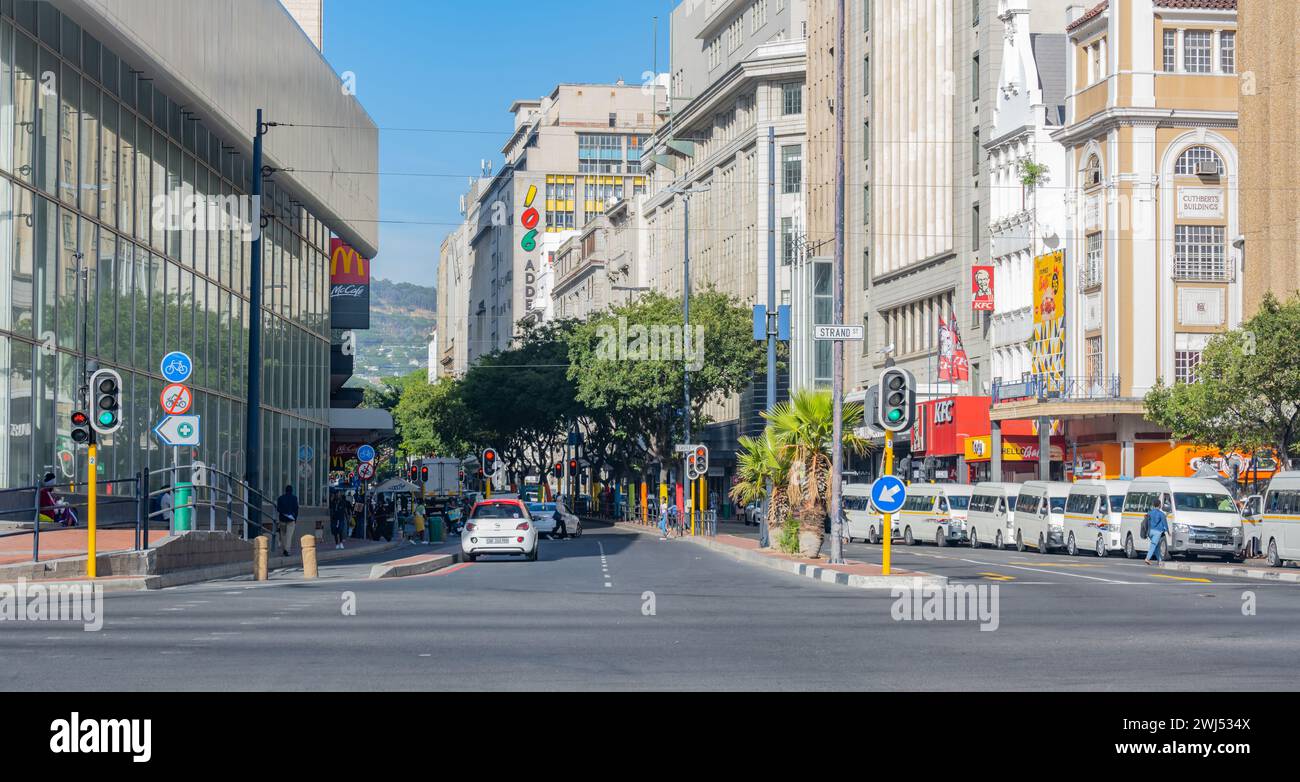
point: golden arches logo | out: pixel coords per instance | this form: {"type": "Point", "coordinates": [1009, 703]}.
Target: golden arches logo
{"type": "Point", "coordinates": [343, 272]}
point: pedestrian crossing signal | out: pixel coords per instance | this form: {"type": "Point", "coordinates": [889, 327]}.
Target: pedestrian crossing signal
{"type": "Point", "coordinates": [80, 428]}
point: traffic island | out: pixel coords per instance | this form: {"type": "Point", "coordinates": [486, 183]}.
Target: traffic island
{"type": "Point", "coordinates": [414, 566]}
{"type": "Point", "coordinates": [859, 575]}
{"type": "Point", "coordinates": [1260, 572]}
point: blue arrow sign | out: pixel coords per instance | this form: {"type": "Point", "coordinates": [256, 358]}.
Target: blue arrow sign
{"type": "Point", "coordinates": [366, 453]}
{"type": "Point", "coordinates": [888, 494]}
{"type": "Point", "coordinates": [176, 367]}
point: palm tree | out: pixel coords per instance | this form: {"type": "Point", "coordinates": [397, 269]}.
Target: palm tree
{"type": "Point", "coordinates": [762, 463]}
{"type": "Point", "coordinates": [802, 428]}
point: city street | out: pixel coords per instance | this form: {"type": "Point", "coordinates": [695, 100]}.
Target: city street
{"type": "Point", "coordinates": [574, 620]}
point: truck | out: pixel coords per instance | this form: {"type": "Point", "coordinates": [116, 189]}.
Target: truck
{"type": "Point", "coordinates": [444, 479]}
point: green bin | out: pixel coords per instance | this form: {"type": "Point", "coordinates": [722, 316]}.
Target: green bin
{"type": "Point", "coordinates": [182, 507]}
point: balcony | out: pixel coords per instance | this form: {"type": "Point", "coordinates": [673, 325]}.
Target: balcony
{"type": "Point", "coordinates": [1045, 389]}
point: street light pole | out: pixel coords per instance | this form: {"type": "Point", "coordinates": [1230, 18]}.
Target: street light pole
{"type": "Point", "coordinates": [253, 421]}
{"type": "Point", "coordinates": [764, 535]}
{"type": "Point", "coordinates": [837, 347]}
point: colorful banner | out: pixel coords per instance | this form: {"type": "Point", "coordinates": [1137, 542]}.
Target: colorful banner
{"type": "Point", "coordinates": [1048, 342]}
{"type": "Point", "coordinates": [981, 288]}
{"type": "Point", "coordinates": [954, 365]}
{"type": "Point", "coordinates": [349, 287]}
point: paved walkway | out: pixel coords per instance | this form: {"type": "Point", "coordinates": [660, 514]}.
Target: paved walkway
{"type": "Point", "coordinates": [67, 542]}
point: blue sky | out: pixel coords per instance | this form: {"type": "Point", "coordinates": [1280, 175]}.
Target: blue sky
{"type": "Point", "coordinates": [459, 65]}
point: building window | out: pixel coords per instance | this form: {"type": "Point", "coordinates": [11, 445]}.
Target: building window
{"type": "Point", "coordinates": [1199, 253]}
{"type": "Point", "coordinates": [792, 98]}
{"type": "Point", "coordinates": [866, 204]}
{"type": "Point", "coordinates": [1228, 52]}
{"type": "Point", "coordinates": [1189, 163]}
{"type": "Point", "coordinates": [613, 120]}
{"type": "Point", "coordinates": [787, 241]}
{"type": "Point", "coordinates": [975, 227]}
{"type": "Point", "coordinates": [715, 52]}
{"type": "Point", "coordinates": [1171, 51]}
{"type": "Point", "coordinates": [975, 79]}
{"type": "Point", "coordinates": [600, 153]}
{"type": "Point", "coordinates": [791, 169]}
{"type": "Point", "coordinates": [1185, 364]}
{"type": "Point", "coordinates": [976, 152]}
{"type": "Point", "coordinates": [760, 15]}
{"type": "Point", "coordinates": [866, 141]}
{"type": "Point", "coordinates": [822, 314]}
{"type": "Point", "coordinates": [1092, 172]}
{"type": "Point", "coordinates": [1196, 51]}
{"type": "Point", "coordinates": [1094, 360]}
{"type": "Point", "coordinates": [1090, 274]}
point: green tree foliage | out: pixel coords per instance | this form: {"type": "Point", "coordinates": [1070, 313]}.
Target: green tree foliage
{"type": "Point", "coordinates": [431, 418]}
{"type": "Point", "coordinates": [1247, 389]}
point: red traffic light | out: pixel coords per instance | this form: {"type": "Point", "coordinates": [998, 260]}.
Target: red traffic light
{"type": "Point", "coordinates": [559, 469]}
{"type": "Point", "coordinates": [424, 474]}
{"type": "Point", "coordinates": [573, 465]}
{"type": "Point", "coordinates": [80, 419]}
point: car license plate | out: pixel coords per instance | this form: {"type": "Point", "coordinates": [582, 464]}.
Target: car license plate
{"type": "Point", "coordinates": [1212, 545]}
{"type": "Point", "coordinates": [497, 541]}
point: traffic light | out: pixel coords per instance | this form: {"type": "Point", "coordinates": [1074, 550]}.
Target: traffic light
{"type": "Point", "coordinates": [897, 397]}
{"type": "Point", "coordinates": [424, 474]}
{"type": "Point", "coordinates": [415, 473]}
{"type": "Point", "coordinates": [81, 431]}
{"type": "Point", "coordinates": [701, 460]}
{"type": "Point", "coordinates": [559, 469]}
{"type": "Point", "coordinates": [489, 461]}
{"type": "Point", "coordinates": [106, 401]}
{"type": "Point", "coordinates": [691, 472]}
{"type": "Point", "coordinates": [573, 466]}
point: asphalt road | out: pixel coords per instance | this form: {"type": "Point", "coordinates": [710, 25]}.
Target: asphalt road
{"type": "Point", "coordinates": [579, 619]}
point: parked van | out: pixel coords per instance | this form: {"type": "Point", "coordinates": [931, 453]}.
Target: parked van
{"type": "Point", "coordinates": [991, 518]}
{"type": "Point", "coordinates": [1040, 515]}
{"type": "Point", "coordinates": [1093, 514]}
{"type": "Point", "coordinates": [1204, 519]}
{"type": "Point", "coordinates": [863, 523]}
{"type": "Point", "coordinates": [1279, 521]}
{"type": "Point", "coordinates": [935, 512]}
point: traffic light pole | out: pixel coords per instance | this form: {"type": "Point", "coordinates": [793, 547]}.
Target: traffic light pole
{"type": "Point", "coordinates": [837, 299]}
{"type": "Point", "coordinates": [887, 527]}
{"type": "Point", "coordinates": [91, 507]}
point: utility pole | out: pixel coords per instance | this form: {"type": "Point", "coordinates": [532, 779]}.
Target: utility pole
{"type": "Point", "coordinates": [253, 421]}
{"type": "Point", "coordinates": [837, 347]}
{"type": "Point", "coordinates": [764, 535]}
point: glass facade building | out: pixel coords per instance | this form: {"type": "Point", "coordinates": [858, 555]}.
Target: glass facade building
{"type": "Point", "coordinates": [90, 150]}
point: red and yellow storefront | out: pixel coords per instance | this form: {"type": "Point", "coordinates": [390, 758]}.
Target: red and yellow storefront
{"type": "Point", "coordinates": [954, 435]}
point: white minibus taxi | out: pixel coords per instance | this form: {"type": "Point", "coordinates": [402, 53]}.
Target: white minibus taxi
{"type": "Point", "coordinates": [992, 514]}
{"type": "Point", "coordinates": [1279, 523]}
{"type": "Point", "coordinates": [1093, 513]}
{"type": "Point", "coordinates": [1040, 515]}
{"type": "Point", "coordinates": [862, 521]}
{"type": "Point", "coordinates": [935, 512]}
{"type": "Point", "coordinates": [1203, 517]}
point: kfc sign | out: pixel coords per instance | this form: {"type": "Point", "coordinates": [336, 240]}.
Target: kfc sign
{"type": "Point", "coordinates": [981, 296]}
{"type": "Point", "coordinates": [943, 411]}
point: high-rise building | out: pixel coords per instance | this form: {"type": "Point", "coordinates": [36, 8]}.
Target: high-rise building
{"type": "Point", "coordinates": [1270, 135]}
{"type": "Point", "coordinates": [112, 121]}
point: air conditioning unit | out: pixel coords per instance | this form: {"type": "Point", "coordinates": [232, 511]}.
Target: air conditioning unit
{"type": "Point", "coordinates": [1207, 168]}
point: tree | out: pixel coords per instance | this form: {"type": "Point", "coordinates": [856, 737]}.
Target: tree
{"type": "Point", "coordinates": [762, 464]}
{"type": "Point", "coordinates": [431, 418]}
{"type": "Point", "coordinates": [628, 370]}
{"type": "Point", "coordinates": [1247, 389]}
{"type": "Point", "coordinates": [802, 428]}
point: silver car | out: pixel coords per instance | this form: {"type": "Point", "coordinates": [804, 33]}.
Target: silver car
{"type": "Point", "coordinates": [547, 517]}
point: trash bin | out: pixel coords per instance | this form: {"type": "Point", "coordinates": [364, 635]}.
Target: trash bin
{"type": "Point", "coordinates": [183, 510]}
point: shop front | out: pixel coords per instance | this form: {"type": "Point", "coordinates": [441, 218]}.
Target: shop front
{"type": "Point", "coordinates": [943, 430]}
{"type": "Point", "coordinates": [1020, 454]}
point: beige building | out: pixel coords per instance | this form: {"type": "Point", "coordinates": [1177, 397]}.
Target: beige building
{"type": "Point", "coordinates": [598, 267]}
{"type": "Point", "coordinates": [570, 154]}
{"type": "Point", "coordinates": [1270, 212]}
{"type": "Point", "coordinates": [1148, 273]}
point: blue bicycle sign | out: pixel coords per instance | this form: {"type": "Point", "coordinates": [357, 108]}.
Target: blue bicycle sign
{"type": "Point", "coordinates": [366, 453]}
{"type": "Point", "coordinates": [176, 367]}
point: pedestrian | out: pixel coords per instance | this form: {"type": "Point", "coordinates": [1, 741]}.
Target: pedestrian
{"type": "Point", "coordinates": [663, 521]}
{"type": "Point", "coordinates": [673, 522]}
{"type": "Point", "coordinates": [48, 501]}
{"type": "Point", "coordinates": [419, 525]}
{"type": "Point", "coordinates": [339, 513]}
{"type": "Point", "coordinates": [1157, 526]}
{"type": "Point", "coordinates": [287, 509]}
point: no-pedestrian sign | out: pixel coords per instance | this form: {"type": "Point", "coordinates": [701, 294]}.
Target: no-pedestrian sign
{"type": "Point", "coordinates": [176, 399]}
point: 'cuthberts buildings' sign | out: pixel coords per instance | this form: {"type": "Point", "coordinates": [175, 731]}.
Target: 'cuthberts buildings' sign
{"type": "Point", "coordinates": [349, 287]}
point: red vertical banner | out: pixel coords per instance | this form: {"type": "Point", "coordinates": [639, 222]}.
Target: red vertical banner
{"type": "Point", "coordinates": [960, 362]}
{"type": "Point", "coordinates": [981, 288]}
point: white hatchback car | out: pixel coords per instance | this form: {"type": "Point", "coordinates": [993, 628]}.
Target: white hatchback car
{"type": "Point", "coordinates": [545, 518]}
{"type": "Point", "coordinates": [499, 527]}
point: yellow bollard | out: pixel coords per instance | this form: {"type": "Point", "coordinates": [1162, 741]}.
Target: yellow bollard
{"type": "Point", "coordinates": [261, 545]}
{"type": "Point", "coordinates": [309, 556]}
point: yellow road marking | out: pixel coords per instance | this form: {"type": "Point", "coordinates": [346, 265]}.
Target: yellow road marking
{"type": "Point", "coordinates": [998, 577]}
{"type": "Point", "coordinates": [1180, 578]}
{"type": "Point", "coordinates": [1053, 564]}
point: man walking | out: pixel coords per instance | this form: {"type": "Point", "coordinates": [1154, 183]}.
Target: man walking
{"type": "Point", "coordinates": [287, 508]}
{"type": "Point", "coordinates": [1157, 526]}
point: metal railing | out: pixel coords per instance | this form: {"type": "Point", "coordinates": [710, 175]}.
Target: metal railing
{"type": "Point", "coordinates": [34, 511]}
{"type": "Point", "coordinates": [1044, 388]}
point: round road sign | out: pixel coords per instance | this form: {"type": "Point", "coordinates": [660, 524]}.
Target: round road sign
{"type": "Point", "coordinates": [176, 399]}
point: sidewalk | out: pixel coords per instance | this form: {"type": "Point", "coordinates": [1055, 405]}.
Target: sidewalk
{"type": "Point", "coordinates": [1253, 568]}
{"type": "Point", "coordinates": [64, 542]}
{"type": "Point", "coordinates": [860, 575]}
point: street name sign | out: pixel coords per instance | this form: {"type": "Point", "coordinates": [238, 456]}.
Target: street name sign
{"type": "Point", "coordinates": [839, 333]}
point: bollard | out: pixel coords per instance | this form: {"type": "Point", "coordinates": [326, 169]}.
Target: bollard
{"type": "Point", "coordinates": [261, 544]}
{"type": "Point", "coordinates": [308, 556]}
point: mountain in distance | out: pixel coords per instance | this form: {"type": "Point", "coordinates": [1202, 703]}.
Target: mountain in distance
{"type": "Point", "coordinates": [402, 315]}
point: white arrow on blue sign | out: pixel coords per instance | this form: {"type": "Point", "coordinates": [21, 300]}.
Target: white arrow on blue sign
{"type": "Point", "coordinates": [888, 494]}
{"type": "Point", "coordinates": [179, 430]}
{"type": "Point", "coordinates": [176, 367]}
{"type": "Point", "coordinates": [366, 453]}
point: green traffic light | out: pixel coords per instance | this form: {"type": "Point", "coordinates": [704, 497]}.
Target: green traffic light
{"type": "Point", "coordinates": [895, 415]}
{"type": "Point", "coordinates": [106, 418]}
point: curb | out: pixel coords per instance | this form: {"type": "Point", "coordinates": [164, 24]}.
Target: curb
{"type": "Point", "coordinates": [825, 575]}
{"type": "Point", "coordinates": [414, 566]}
{"type": "Point", "coordinates": [108, 583]}
{"type": "Point", "coordinates": [1290, 575]}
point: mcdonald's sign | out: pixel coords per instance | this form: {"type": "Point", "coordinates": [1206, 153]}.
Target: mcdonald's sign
{"type": "Point", "coordinates": [349, 287]}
